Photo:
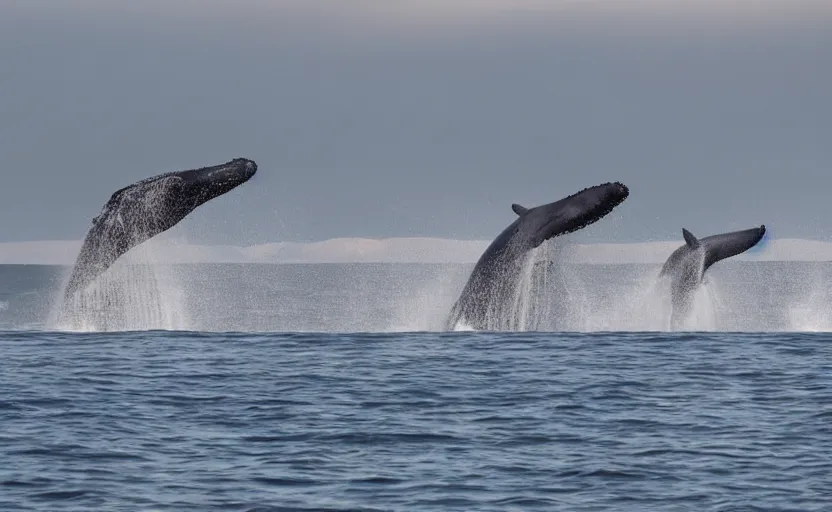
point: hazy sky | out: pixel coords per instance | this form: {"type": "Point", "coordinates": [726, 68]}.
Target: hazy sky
{"type": "Point", "coordinates": [420, 117]}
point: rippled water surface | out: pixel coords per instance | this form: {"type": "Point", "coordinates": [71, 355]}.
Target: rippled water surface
{"type": "Point", "coordinates": [460, 421]}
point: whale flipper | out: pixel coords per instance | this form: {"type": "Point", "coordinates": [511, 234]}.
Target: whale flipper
{"type": "Point", "coordinates": [146, 208]}
{"type": "Point", "coordinates": [726, 245]}
{"type": "Point", "coordinates": [691, 240]}
{"type": "Point", "coordinates": [519, 210]}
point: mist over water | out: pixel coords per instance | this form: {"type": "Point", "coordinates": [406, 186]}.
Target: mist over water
{"type": "Point", "coordinates": [552, 296]}
{"type": "Point", "coordinates": [132, 295]}
{"type": "Point", "coordinates": [738, 296]}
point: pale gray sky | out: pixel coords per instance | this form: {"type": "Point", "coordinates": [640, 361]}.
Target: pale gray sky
{"type": "Point", "coordinates": [429, 118]}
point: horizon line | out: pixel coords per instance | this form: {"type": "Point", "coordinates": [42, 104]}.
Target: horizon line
{"type": "Point", "coordinates": [176, 249]}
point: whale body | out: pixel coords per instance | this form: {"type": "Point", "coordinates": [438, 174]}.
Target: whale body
{"type": "Point", "coordinates": [488, 298]}
{"type": "Point", "coordinates": [146, 208]}
{"type": "Point", "coordinates": [687, 265]}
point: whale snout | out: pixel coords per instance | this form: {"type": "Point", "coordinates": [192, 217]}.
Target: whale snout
{"type": "Point", "coordinates": [611, 194]}
{"type": "Point", "coordinates": [619, 191]}
{"type": "Point", "coordinates": [248, 165]}
{"type": "Point", "coordinates": [210, 182]}
{"type": "Point", "coordinates": [249, 169]}
{"type": "Point", "coordinates": [245, 167]}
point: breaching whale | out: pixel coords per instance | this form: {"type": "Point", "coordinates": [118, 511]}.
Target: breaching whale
{"type": "Point", "coordinates": [146, 208]}
{"type": "Point", "coordinates": [487, 300]}
{"type": "Point", "coordinates": [686, 266]}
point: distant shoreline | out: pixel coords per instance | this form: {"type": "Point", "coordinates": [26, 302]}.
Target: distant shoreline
{"type": "Point", "coordinates": [387, 250]}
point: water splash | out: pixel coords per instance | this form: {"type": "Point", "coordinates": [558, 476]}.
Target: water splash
{"type": "Point", "coordinates": [424, 305]}
{"type": "Point", "coordinates": [808, 317]}
{"type": "Point", "coordinates": [555, 295]}
{"type": "Point", "coordinates": [132, 295]}
{"type": "Point", "coordinates": [642, 304]}
{"type": "Point", "coordinates": [702, 315]}
{"type": "Point", "coordinates": [813, 312]}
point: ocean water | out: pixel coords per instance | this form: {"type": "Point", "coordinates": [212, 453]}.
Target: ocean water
{"type": "Point", "coordinates": [330, 387]}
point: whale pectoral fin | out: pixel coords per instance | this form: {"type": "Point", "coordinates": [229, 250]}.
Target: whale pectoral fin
{"type": "Point", "coordinates": [691, 240]}
{"type": "Point", "coordinates": [727, 245]}
{"type": "Point", "coordinates": [519, 210]}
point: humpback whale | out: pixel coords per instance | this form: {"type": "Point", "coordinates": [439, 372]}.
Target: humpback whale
{"type": "Point", "coordinates": [146, 208]}
{"type": "Point", "coordinates": [487, 300]}
{"type": "Point", "coordinates": [686, 266]}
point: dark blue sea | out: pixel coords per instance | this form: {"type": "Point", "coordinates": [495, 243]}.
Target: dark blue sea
{"type": "Point", "coordinates": [289, 412]}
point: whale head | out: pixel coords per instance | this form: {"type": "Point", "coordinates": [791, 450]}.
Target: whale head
{"type": "Point", "coordinates": [202, 185]}
{"type": "Point", "coordinates": [576, 211]}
